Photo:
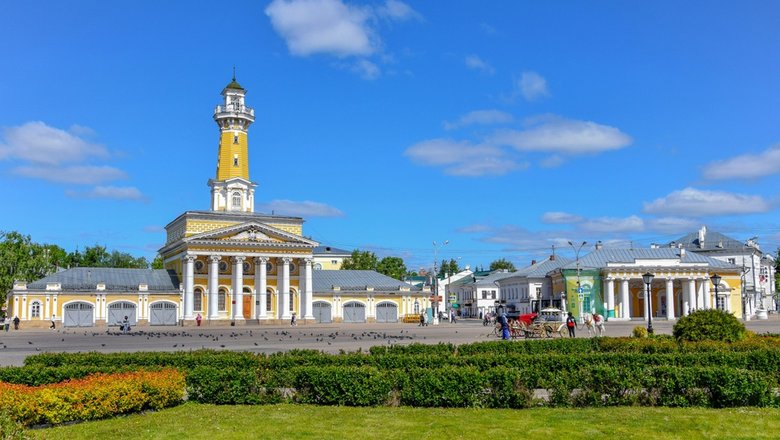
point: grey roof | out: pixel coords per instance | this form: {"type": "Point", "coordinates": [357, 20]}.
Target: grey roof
{"type": "Point", "coordinates": [485, 278]}
{"type": "Point", "coordinates": [713, 241]}
{"type": "Point", "coordinates": [602, 257]}
{"type": "Point", "coordinates": [541, 269]}
{"type": "Point", "coordinates": [329, 250]}
{"type": "Point", "coordinates": [87, 278]}
{"type": "Point", "coordinates": [324, 280]}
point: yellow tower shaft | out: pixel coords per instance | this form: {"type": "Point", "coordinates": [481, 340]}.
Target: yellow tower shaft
{"type": "Point", "coordinates": [233, 160]}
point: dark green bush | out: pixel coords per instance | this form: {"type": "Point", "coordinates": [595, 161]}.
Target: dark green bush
{"type": "Point", "coordinates": [223, 386]}
{"type": "Point", "coordinates": [709, 325]}
{"type": "Point", "coordinates": [349, 386]}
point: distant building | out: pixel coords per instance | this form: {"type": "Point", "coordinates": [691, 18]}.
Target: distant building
{"type": "Point", "coordinates": [758, 268]}
{"type": "Point", "coordinates": [329, 258]}
{"type": "Point", "coordinates": [530, 288]}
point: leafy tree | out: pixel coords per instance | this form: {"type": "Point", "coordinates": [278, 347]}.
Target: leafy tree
{"type": "Point", "coordinates": [392, 266]}
{"type": "Point", "coordinates": [23, 260]}
{"type": "Point", "coordinates": [502, 263]}
{"type": "Point", "coordinates": [448, 268]}
{"type": "Point", "coordinates": [98, 256]}
{"type": "Point", "coordinates": [360, 260]}
{"type": "Point", "coordinates": [157, 263]}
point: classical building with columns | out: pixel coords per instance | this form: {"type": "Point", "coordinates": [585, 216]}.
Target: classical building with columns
{"type": "Point", "coordinates": [226, 264]}
{"type": "Point", "coordinates": [609, 282]}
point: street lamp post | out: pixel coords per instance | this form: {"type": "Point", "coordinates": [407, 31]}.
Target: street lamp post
{"type": "Point", "coordinates": [436, 282]}
{"type": "Point", "coordinates": [715, 278]}
{"type": "Point", "coordinates": [577, 250]}
{"type": "Point", "coordinates": [648, 279]}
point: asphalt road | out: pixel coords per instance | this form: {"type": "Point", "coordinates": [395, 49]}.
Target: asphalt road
{"type": "Point", "coordinates": [331, 338]}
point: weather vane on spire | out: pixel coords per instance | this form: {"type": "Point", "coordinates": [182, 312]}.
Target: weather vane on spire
{"type": "Point", "coordinates": [234, 73]}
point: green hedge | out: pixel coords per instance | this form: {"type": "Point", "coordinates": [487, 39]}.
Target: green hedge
{"type": "Point", "coordinates": [180, 359]}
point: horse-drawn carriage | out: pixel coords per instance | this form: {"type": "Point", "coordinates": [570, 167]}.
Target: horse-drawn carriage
{"type": "Point", "coordinates": [547, 324]}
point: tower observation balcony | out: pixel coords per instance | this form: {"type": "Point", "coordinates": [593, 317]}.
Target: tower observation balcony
{"type": "Point", "coordinates": [233, 111]}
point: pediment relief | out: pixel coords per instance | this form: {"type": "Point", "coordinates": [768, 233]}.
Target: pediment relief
{"type": "Point", "coordinates": [249, 233]}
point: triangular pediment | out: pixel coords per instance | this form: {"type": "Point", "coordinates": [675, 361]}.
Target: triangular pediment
{"type": "Point", "coordinates": [249, 233]}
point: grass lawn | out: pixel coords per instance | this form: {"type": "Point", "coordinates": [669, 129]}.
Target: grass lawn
{"type": "Point", "coordinates": [196, 421]}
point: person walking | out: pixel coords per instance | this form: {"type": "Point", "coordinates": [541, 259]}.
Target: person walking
{"type": "Point", "coordinates": [292, 320]}
{"type": "Point", "coordinates": [502, 319]}
{"type": "Point", "coordinates": [422, 320]}
{"type": "Point", "coordinates": [6, 323]}
{"type": "Point", "coordinates": [16, 323]}
{"type": "Point", "coordinates": [125, 325]}
{"type": "Point", "coordinates": [571, 323]}
{"type": "Point", "coordinates": [53, 321]}
{"type": "Point", "coordinates": [452, 317]}
{"type": "Point", "coordinates": [198, 319]}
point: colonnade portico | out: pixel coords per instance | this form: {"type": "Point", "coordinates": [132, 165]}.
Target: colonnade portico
{"type": "Point", "coordinates": [693, 292]}
{"type": "Point", "coordinates": [259, 284]}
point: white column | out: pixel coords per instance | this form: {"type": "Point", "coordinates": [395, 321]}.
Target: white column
{"type": "Point", "coordinates": [238, 288]}
{"type": "Point", "coordinates": [648, 294]}
{"type": "Point", "coordinates": [261, 284]}
{"type": "Point", "coordinates": [700, 293]}
{"type": "Point", "coordinates": [670, 298]}
{"type": "Point", "coordinates": [189, 292]}
{"type": "Point", "coordinates": [610, 298]}
{"type": "Point", "coordinates": [214, 287]}
{"type": "Point", "coordinates": [691, 294]}
{"type": "Point", "coordinates": [625, 309]}
{"type": "Point", "coordinates": [309, 291]}
{"type": "Point", "coordinates": [285, 288]}
{"type": "Point", "coordinates": [707, 299]}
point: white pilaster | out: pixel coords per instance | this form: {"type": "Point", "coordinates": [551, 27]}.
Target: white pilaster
{"type": "Point", "coordinates": [213, 287]}
{"type": "Point", "coordinates": [700, 294]}
{"type": "Point", "coordinates": [309, 312]}
{"type": "Point", "coordinates": [610, 298]}
{"type": "Point", "coordinates": [285, 288]}
{"type": "Point", "coordinates": [707, 298]}
{"type": "Point", "coordinates": [670, 298]}
{"type": "Point", "coordinates": [238, 288]}
{"type": "Point", "coordinates": [189, 285]}
{"type": "Point", "coordinates": [625, 308]}
{"type": "Point", "coordinates": [261, 285]}
{"type": "Point", "coordinates": [648, 294]}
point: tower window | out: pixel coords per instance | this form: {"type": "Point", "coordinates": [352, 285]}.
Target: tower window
{"type": "Point", "coordinates": [235, 139]}
{"type": "Point", "coordinates": [235, 160]}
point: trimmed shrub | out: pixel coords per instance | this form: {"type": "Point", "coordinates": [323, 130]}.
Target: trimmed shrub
{"type": "Point", "coordinates": [349, 386]}
{"type": "Point", "coordinates": [639, 332]}
{"type": "Point", "coordinates": [223, 386]}
{"type": "Point", "coordinates": [709, 325]}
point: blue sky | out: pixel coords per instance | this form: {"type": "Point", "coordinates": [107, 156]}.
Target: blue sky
{"type": "Point", "coordinates": [504, 127]}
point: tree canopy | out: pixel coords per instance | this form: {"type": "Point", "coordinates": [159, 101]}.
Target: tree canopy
{"type": "Point", "coordinates": [393, 267]}
{"type": "Point", "coordinates": [360, 260]}
{"type": "Point", "coordinates": [448, 268]}
{"type": "Point", "coordinates": [502, 263]}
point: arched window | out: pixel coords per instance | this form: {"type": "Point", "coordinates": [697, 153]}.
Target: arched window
{"type": "Point", "coordinates": [197, 303]}
{"type": "Point", "coordinates": [236, 200]}
{"type": "Point", "coordinates": [221, 300]}
{"type": "Point", "coordinates": [35, 309]}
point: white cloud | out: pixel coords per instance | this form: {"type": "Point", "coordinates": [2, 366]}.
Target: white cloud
{"type": "Point", "coordinates": [745, 166]}
{"type": "Point", "coordinates": [558, 217]}
{"type": "Point", "coordinates": [462, 158]}
{"type": "Point", "coordinates": [692, 202]}
{"type": "Point", "coordinates": [532, 86]}
{"type": "Point", "coordinates": [322, 26]}
{"type": "Point", "coordinates": [109, 192]}
{"type": "Point", "coordinates": [487, 29]}
{"type": "Point", "coordinates": [397, 10]}
{"type": "Point", "coordinates": [672, 225]}
{"type": "Point", "coordinates": [615, 225]}
{"type": "Point", "coordinates": [39, 143]}
{"type": "Point", "coordinates": [553, 161]}
{"type": "Point", "coordinates": [476, 63]}
{"type": "Point", "coordinates": [484, 117]}
{"type": "Point", "coordinates": [564, 136]}
{"type": "Point", "coordinates": [82, 175]}
{"type": "Point", "coordinates": [366, 69]}
{"type": "Point", "coordinates": [300, 209]}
